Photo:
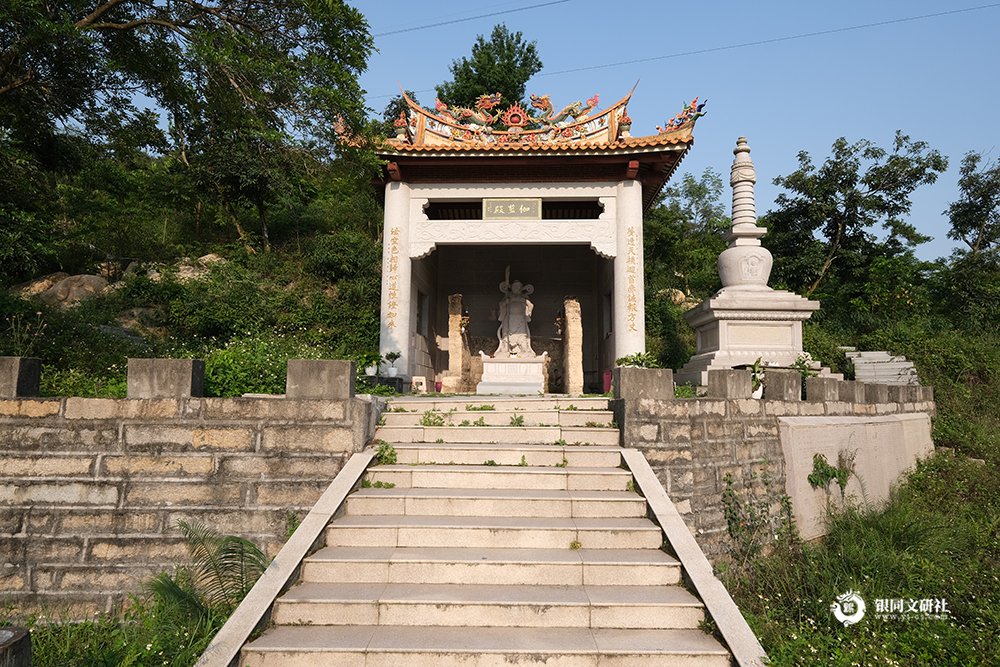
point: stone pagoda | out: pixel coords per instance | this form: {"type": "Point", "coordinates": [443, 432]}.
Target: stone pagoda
{"type": "Point", "coordinates": [745, 320]}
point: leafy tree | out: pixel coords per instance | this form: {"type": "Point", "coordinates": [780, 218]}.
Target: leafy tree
{"type": "Point", "coordinates": [975, 217]}
{"type": "Point", "coordinates": [682, 239]}
{"type": "Point", "coordinates": [288, 64]}
{"type": "Point", "coordinates": [502, 65]}
{"type": "Point", "coordinates": [682, 235]}
{"type": "Point", "coordinates": [392, 110]}
{"type": "Point", "coordinates": [820, 229]}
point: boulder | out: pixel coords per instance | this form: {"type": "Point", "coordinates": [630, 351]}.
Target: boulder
{"type": "Point", "coordinates": [70, 291]}
{"type": "Point", "coordinates": [37, 285]}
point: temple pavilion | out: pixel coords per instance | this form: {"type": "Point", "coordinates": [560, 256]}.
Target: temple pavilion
{"type": "Point", "coordinates": [550, 197]}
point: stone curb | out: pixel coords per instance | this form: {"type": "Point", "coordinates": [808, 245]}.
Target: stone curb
{"type": "Point", "coordinates": [741, 640]}
{"type": "Point", "coordinates": [224, 649]}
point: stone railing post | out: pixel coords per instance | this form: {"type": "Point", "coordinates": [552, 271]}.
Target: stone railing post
{"type": "Point", "coordinates": [729, 384]}
{"type": "Point", "coordinates": [782, 385]}
{"type": "Point", "coordinates": [822, 390]}
{"type": "Point", "coordinates": [573, 347]}
{"type": "Point", "coordinates": [320, 379]}
{"type": "Point", "coordinates": [876, 393]}
{"type": "Point", "coordinates": [166, 378]}
{"type": "Point", "coordinates": [20, 376]}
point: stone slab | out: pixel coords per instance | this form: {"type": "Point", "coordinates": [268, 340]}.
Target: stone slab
{"type": "Point", "coordinates": [319, 379]}
{"type": "Point", "coordinates": [19, 376]}
{"type": "Point", "coordinates": [165, 378]}
{"type": "Point", "coordinates": [882, 448]}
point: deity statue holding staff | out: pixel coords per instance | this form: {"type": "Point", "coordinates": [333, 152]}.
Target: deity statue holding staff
{"type": "Point", "coordinates": [515, 313]}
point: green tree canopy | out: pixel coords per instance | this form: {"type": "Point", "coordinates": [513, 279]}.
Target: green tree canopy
{"type": "Point", "coordinates": [289, 65]}
{"type": "Point", "coordinates": [975, 217]}
{"type": "Point", "coordinates": [821, 225]}
{"type": "Point", "coordinates": [502, 65]}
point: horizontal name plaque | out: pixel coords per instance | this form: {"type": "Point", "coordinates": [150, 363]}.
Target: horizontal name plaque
{"type": "Point", "coordinates": [512, 209]}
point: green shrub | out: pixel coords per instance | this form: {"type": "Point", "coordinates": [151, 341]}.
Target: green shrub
{"type": "Point", "coordinates": [256, 364]}
{"type": "Point", "coordinates": [934, 538]}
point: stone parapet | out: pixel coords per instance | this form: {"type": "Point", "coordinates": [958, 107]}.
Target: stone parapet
{"type": "Point", "coordinates": [692, 444]}
{"type": "Point", "coordinates": [323, 379]}
{"type": "Point", "coordinates": [91, 489]}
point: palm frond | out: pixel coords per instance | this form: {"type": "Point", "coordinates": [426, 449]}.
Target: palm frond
{"type": "Point", "coordinates": [227, 566]}
{"type": "Point", "coordinates": [186, 599]}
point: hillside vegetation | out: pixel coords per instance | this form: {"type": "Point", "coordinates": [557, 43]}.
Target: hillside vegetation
{"type": "Point", "coordinates": [250, 169]}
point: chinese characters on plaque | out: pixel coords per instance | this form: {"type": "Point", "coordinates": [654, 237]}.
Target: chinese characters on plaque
{"type": "Point", "coordinates": [393, 303]}
{"type": "Point", "coordinates": [632, 262]}
{"type": "Point", "coordinates": [512, 209]}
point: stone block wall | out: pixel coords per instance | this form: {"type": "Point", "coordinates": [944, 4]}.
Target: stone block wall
{"type": "Point", "coordinates": [91, 489]}
{"type": "Point", "coordinates": [693, 443]}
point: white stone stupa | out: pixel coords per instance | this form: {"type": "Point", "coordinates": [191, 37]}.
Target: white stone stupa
{"type": "Point", "coordinates": [745, 320]}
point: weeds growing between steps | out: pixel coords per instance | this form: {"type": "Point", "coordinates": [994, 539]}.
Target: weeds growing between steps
{"type": "Point", "coordinates": [936, 539]}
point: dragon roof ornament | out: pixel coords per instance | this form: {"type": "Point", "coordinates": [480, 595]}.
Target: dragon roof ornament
{"type": "Point", "coordinates": [492, 123]}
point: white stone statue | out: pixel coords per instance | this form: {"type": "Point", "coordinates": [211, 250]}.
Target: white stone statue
{"type": "Point", "coordinates": [515, 313]}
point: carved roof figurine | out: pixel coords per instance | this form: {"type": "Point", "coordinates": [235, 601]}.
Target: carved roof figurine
{"type": "Point", "coordinates": [689, 114]}
{"type": "Point", "coordinates": [491, 126]}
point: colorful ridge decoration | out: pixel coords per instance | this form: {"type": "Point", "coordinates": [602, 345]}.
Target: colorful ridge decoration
{"type": "Point", "coordinates": [491, 123]}
{"type": "Point", "coordinates": [688, 114]}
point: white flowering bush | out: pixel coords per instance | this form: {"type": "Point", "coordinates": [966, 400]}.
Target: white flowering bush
{"type": "Point", "coordinates": [255, 363]}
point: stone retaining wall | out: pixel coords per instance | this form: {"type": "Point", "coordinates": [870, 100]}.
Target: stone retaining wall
{"type": "Point", "coordinates": [693, 443]}
{"type": "Point", "coordinates": [91, 489]}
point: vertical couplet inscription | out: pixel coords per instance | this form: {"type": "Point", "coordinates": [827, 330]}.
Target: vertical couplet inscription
{"type": "Point", "coordinates": [632, 263]}
{"type": "Point", "coordinates": [393, 303]}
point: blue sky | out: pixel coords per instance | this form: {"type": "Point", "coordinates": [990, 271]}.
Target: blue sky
{"type": "Point", "coordinates": [934, 78]}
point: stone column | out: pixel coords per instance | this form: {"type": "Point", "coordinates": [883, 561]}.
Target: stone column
{"type": "Point", "coordinates": [396, 332]}
{"type": "Point", "coordinates": [572, 347]}
{"type": "Point", "coordinates": [629, 305]}
{"type": "Point", "coordinates": [453, 382]}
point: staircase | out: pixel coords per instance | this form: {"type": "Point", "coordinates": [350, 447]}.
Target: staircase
{"type": "Point", "coordinates": [499, 536]}
{"type": "Point", "coordinates": [881, 367]}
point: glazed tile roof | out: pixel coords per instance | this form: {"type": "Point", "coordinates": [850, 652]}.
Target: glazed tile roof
{"type": "Point", "coordinates": [579, 129]}
{"type": "Point", "coordinates": [624, 144]}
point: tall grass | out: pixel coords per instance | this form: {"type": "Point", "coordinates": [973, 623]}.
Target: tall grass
{"type": "Point", "coordinates": [938, 537]}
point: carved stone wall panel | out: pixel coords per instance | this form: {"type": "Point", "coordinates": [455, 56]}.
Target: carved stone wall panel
{"type": "Point", "coordinates": [425, 234]}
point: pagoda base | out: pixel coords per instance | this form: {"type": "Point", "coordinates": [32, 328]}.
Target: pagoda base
{"type": "Point", "coordinates": [512, 375]}
{"type": "Point", "coordinates": [739, 326]}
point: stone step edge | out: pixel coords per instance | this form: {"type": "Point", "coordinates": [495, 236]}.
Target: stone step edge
{"type": "Point", "coordinates": [497, 555]}
{"type": "Point", "coordinates": [536, 643]}
{"type": "Point", "coordinates": [449, 468]}
{"type": "Point", "coordinates": [308, 592]}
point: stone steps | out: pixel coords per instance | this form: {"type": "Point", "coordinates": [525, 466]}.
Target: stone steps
{"type": "Point", "coordinates": [560, 566]}
{"type": "Point", "coordinates": [603, 418]}
{"type": "Point", "coordinates": [494, 532]}
{"type": "Point", "coordinates": [493, 545]}
{"type": "Point", "coordinates": [489, 605]}
{"type": "Point", "coordinates": [501, 477]}
{"type": "Point", "coordinates": [507, 435]}
{"type": "Point", "coordinates": [496, 502]}
{"type": "Point", "coordinates": [468, 453]}
{"type": "Point", "coordinates": [881, 367]}
{"type": "Point", "coordinates": [430, 646]}
{"type": "Point", "coordinates": [508, 403]}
